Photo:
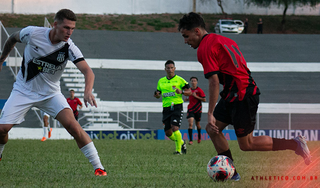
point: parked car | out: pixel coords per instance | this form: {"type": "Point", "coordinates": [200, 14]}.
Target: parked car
{"type": "Point", "coordinates": [229, 26]}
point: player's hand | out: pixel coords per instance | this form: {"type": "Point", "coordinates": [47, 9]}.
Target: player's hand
{"type": "Point", "coordinates": [89, 98]}
{"type": "Point", "coordinates": [212, 124]}
{"type": "Point", "coordinates": [178, 91]}
{"type": "Point", "coordinates": [157, 94]}
{"type": "Point", "coordinates": [194, 94]}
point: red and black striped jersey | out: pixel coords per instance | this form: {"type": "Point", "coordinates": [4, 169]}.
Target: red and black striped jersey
{"type": "Point", "coordinates": [221, 55]}
{"type": "Point", "coordinates": [195, 105]}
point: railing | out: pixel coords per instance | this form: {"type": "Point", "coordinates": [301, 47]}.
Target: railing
{"type": "Point", "coordinates": [17, 55]}
{"type": "Point", "coordinates": [47, 23]}
{"type": "Point", "coordinates": [131, 116]}
{"type": "Point", "coordinates": [156, 107]}
{"type": "Point", "coordinates": [38, 114]}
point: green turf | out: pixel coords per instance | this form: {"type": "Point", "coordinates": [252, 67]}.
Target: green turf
{"type": "Point", "coordinates": [139, 163]}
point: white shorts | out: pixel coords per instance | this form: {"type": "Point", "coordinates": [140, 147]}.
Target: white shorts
{"type": "Point", "coordinates": [18, 104]}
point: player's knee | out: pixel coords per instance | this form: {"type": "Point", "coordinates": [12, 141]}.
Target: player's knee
{"type": "Point", "coordinates": [211, 132]}
{"type": "Point", "coordinates": [168, 133]}
{"type": "Point", "coordinates": [4, 129]}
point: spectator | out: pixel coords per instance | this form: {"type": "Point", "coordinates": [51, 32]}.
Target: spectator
{"type": "Point", "coordinates": [245, 30]}
{"type": "Point", "coordinates": [260, 24]}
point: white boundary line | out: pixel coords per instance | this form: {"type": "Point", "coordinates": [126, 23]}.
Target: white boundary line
{"type": "Point", "coordinates": [191, 65]}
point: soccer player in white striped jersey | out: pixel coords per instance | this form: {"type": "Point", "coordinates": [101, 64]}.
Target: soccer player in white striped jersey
{"type": "Point", "coordinates": [46, 54]}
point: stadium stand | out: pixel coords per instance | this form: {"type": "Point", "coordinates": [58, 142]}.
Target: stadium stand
{"type": "Point", "coordinates": [130, 87]}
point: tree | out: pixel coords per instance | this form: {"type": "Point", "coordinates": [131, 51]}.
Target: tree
{"type": "Point", "coordinates": [285, 3]}
{"type": "Point", "coordinates": [219, 4]}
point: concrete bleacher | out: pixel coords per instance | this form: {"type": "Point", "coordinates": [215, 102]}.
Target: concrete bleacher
{"type": "Point", "coordinates": [94, 119]}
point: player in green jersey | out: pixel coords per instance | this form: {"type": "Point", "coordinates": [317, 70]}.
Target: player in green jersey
{"type": "Point", "coordinates": [171, 88]}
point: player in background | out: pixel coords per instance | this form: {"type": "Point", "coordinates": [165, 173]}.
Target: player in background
{"type": "Point", "coordinates": [46, 126]}
{"type": "Point", "coordinates": [195, 108]}
{"type": "Point", "coordinates": [171, 88]}
{"type": "Point", "coordinates": [223, 63]}
{"type": "Point", "coordinates": [74, 102]}
{"type": "Point", "coordinates": [46, 54]}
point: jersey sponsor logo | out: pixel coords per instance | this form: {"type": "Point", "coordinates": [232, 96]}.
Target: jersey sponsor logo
{"type": "Point", "coordinates": [46, 67]}
{"type": "Point", "coordinates": [61, 57]}
{"type": "Point", "coordinates": [170, 94]}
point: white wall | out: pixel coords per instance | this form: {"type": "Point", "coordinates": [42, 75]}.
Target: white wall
{"type": "Point", "coordinates": [144, 7]}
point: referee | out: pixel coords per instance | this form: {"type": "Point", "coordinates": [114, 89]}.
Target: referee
{"type": "Point", "coordinates": [172, 87]}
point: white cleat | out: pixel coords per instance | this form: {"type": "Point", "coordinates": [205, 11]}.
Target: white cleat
{"type": "Point", "coordinates": [302, 149]}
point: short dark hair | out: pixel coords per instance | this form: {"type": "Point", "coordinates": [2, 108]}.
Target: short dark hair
{"type": "Point", "coordinates": [71, 90]}
{"type": "Point", "coordinates": [190, 21]}
{"type": "Point", "coordinates": [194, 78]}
{"type": "Point", "coordinates": [169, 62]}
{"type": "Point", "coordinates": [65, 14]}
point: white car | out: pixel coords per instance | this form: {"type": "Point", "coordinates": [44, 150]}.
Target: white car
{"type": "Point", "coordinates": [229, 26]}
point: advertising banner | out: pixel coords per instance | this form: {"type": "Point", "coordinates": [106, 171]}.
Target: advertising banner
{"type": "Point", "coordinates": [311, 135]}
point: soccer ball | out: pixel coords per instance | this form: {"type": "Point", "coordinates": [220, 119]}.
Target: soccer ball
{"type": "Point", "coordinates": [220, 168]}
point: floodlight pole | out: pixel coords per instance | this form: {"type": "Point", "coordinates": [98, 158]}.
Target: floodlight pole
{"type": "Point", "coordinates": [194, 6]}
{"type": "Point", "coordinates": [12, 6]}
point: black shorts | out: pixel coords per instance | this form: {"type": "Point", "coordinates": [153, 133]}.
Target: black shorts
{"type": "Point", "coordinates": [241, 114]}
{"type": "Point", "coordinates": [195, 115]}
{"type": "Point", "coordinates": [172, 117]}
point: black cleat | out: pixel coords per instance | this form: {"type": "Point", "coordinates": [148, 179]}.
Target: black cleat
{"type": "Point", "coordinates": [184, 147]}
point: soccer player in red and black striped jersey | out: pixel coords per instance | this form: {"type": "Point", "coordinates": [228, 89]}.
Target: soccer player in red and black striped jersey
{"type": "Point", "coordinates": [223, 63]}
{"type": "Point", "coordinates": [74, 102]}
{"type": "Point", "coordinates": [195, 108]}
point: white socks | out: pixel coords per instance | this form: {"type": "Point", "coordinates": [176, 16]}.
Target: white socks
{"type": "Point", "coordinates": [45, 131]}
{"type": "Point", "coordinates": [91, 153]}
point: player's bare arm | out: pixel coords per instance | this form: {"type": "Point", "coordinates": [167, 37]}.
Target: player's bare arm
{"type": "Point", "coordinates": [186, 92]}
{"type": "Point", "coordinates": [89, 81]}
{"type": "Point", "coordinates": [213, 98]}
{"type": "Point", "coordinates": [8, 46]}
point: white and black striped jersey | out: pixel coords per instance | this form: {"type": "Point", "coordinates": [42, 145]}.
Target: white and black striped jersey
{"type": "Point", "coordinates": [43, 62]}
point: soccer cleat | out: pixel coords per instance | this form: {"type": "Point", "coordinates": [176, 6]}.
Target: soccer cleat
{"type": "Point", "coordinates": [100, 172]}
{"type": "Point", "coordinates": [49, 133]}
{"type": "Point", "coordinates": [184, 147]}
{"type": "Point", "coordinates": [236, 177]}
{"type": "Point", "coordinates": [43, 139]}
{"type": "Point", "coordinates": [302, 149]}
{"type": "Point", "coordinates": [190, 143]}
{"type": "Point", "coordinates": [0, 157]}
{"type": "Point", "coordinates": [199, 140]}
{"type": "Point", "coordinates": [177, 153]}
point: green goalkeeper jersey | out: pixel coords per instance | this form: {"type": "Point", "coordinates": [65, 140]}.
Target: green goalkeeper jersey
{"type": "Point", "coordinates": [168, 90]}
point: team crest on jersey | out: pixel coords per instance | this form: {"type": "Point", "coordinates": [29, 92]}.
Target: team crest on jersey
{"type": "Point", "coordinates": [61, 57]}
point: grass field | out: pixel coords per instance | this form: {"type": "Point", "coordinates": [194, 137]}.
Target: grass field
{"type": "Point", "coordinates": [139, 163]}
